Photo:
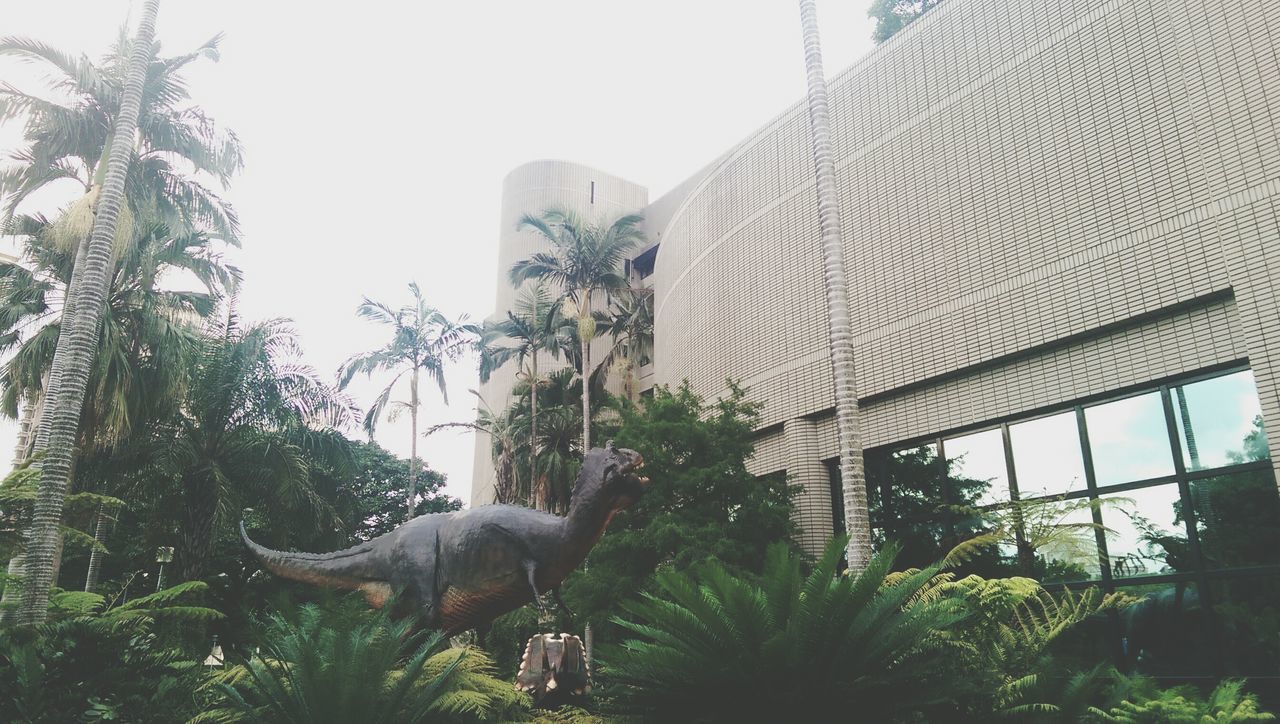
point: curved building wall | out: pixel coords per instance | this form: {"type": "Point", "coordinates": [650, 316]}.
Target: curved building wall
{"type": "Point", "coordinates": [1041, 202]}
{"type": "Point", "coordinates": [531, 188]}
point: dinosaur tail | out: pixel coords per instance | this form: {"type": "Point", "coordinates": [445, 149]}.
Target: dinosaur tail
{"type": "Point", "coordinates": [349, 569]}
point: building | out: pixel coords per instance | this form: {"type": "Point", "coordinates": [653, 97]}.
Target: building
{"type": "Point", "coordinates": [1062, 229]}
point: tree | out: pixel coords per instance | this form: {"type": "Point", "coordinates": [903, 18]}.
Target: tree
{"type": "Point", "coordinates": [703, 503]}
{"type": "Point", "coordinates": [422, 341]}
{"type": "Point", "coordinates": [854, 481]}
{"type": "Point", "coordinates": [533, 327]}
{"type": "Point", "coordinates": [586, 258]}
{"type": "Point", "coordinates": [251, 431]}
{"type": "Point", "coordinates": [894, 15]}
{"type": "Point", "coordinates": [371, 500]}
{"type": "Point", "coordinates": [629, 323]}
{"type": "Point", "coordinates": [80, 345]}
{"type": "Point", "coordinates": [70, 139]}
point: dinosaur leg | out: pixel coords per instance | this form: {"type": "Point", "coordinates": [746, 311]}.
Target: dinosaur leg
{"type": "Point", "coordinates": [561, 604]}
{"type": "Point", "coordinates": [530, 567]}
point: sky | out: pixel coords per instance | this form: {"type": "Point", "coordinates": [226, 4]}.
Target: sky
{"type": "Point", "coordinates": [377, 135]}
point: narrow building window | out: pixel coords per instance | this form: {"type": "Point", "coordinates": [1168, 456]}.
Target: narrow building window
{"type": "Point", "coordinates": [593, 192]}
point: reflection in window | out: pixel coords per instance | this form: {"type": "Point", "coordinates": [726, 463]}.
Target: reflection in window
{"type": "Point", "coordinates": [977, 462]}
{"type": "Point", "coordinates": [1145, 533]}
{"type": "Point", "coordinates": [1248, 610]}
{"type": "Point", "coordinates": [1238, 519]}
{"type": "Point", "coordinates": [1061, 534]}
{"type": "Point", "coordinates": [1129, 439]}
{"type": "Point", "coordinates": [1219, 421]}
{"type": "Point", "coordinates": [1165, 633]}
{"type": "Point", "coordinates": [1046, 455]}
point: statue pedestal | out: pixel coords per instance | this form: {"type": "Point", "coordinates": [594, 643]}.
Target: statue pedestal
{"type": "Point", "coordinates": [554, 669]}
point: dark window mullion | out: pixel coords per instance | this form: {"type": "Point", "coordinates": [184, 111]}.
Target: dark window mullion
{"type": "Point", "coordinates": [1091, 485]}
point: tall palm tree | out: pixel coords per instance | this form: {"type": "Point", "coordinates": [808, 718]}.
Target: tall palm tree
{"type": "Point", "coordinates": [852, 476]}
{"type": "Point", "coordinates": [629, 322]}
{"type": "Point", "coordinates": [81, 343]}
{"type": "Point", "coordinates": [422, 341]}
{"type": "Point", "coordinates": [586, 259]}
{"type": "Point", "coordinates": [249, 429]}
{"type": "Point", "coordinates": [533, 327]}
{"type": "Point", "coordinates": [147, 333]}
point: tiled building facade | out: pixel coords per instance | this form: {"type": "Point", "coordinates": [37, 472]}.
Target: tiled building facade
{"type": "Point", "coordinates": [1044, 204]}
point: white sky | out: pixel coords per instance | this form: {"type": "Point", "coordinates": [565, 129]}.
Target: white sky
{"type": "Point", "coordinates": [377, 134]}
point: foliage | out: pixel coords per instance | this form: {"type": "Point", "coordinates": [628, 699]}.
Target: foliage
{"type": "Point", "coordinates": [894, 15]}
{"type": "Point", "coordinates": [1144, 702]}
{"type": "Point", "coordinates": [249, 431]}
{"type": "Point", "coordinates": [369, 496]}
{"type": "Point", "coordinates": [322, 667]}
{"type": "Point", "coordinates": [96, 661]}
{"type": "Point", "coordinates": [712, 646]}
{"type": "Point", "coordinates": [703, 503]}
{"type": "Point", "coordinates": [68, 138]}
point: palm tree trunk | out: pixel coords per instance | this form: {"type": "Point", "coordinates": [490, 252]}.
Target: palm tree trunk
{"type": "Point", "coordinates": [83, 341]}
{"type": "Point", "coordinates": [195, 533]}
{"type": "Point", "coordinates": [849, 434]}
{"type": "Point", "coordinates": [533, 420]}
{"type": "Point", "coordinates": [586, 395]}
{"type": "Point", "coordinates": [102, 520]}
{"type": "Point", "coordinates": [413, 444]}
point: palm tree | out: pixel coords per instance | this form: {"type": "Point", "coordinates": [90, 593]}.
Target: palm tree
{"type": "Point", "coordinates": [253, 425]}
{"type": "Point", "coordinates": [80, 344]}
{"type": "Point", "coordinates": [147, 333]}
{"type": "Point", "coordinates": [629, 323]}
{"type": "Point", "coordinates": [71, 138]}
{"type": "Point", "coordinates": [534, 326]}
{"type": "Point", "coordinates": [852, 476]}
{"type": "Point", "coordinates": [586, 258]}
{"type": "Point", "coordinates": [422, 341]}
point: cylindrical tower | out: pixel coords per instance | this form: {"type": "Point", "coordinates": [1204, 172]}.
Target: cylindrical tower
{"type": "Point", "coordinates": [530, 189]}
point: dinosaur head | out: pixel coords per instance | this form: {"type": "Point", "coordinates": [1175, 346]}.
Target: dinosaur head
{"type": "Point", "coordinates": [611, 474]}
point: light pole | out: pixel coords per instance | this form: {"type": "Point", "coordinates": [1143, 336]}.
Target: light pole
{"type": "Point", "coordinates": [164, 554]}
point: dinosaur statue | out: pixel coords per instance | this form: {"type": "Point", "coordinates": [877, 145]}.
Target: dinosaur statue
{"type": "Point", "coordinates": [461, 570]}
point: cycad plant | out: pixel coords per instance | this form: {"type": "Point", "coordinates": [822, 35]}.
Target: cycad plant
{"type": "Point", "coordinates": [715, 647]}
{"type": "Point", "coordinates": [364, 668]}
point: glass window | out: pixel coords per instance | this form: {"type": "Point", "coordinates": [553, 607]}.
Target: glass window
{"type": "Point", "coordinates": [1046, 455]}
{"type": "Point", "coordinates": [1219, 421]}
{"type": "Point", "coordinates": [1165, 632]}
{"type": "Point", "coordinates": [1238, 519]}
{"type": "Point", "coordinates": [1129, 439]}
{"type": "Point", "coordinates": [1248, 612]}
{"type": "Point", "coordinates": [1063, 535]}
{"type": "Point", "coordinates": [977, 468]}
{"type": "Point", "coordinates": [1145, 532]}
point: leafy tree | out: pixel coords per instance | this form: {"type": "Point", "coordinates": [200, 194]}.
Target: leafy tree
{"type": "Point", "coordinates": [324, 668]}
{"type": "Point", "coordinates": [249, 433]}
{"type": "Point", "coordinates": [585, 262]}
{"type": "Point", "coordinates": [894, 15]}
{"type": "Point", "coordinates": [422, 341]}
{"type": "Point", "coordinates": [703, 503]}
{"type": "Point", "coordinates": [371, 502]}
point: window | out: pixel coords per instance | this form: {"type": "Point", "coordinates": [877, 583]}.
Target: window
{"type": "Point", "coordinates": [1237, 519]}
{"type": "Point", "coordinates": [1219, 421]}
{"type": "Point", "coordinates": [1144, 531]}
{"type": "Point", "coordinates": [1129, 440]}
{"type": "Point", "coordinates": [978, 467]}
{"type": "Point", "coordinates": [1046, 455]}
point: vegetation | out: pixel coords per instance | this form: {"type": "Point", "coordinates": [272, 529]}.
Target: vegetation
{"type": "Point", "coordinates": [343, 666]}
{"type": "Point", "coordinates": [894, 15]}
{"type": "Point", "coordinates": [422, 341]}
